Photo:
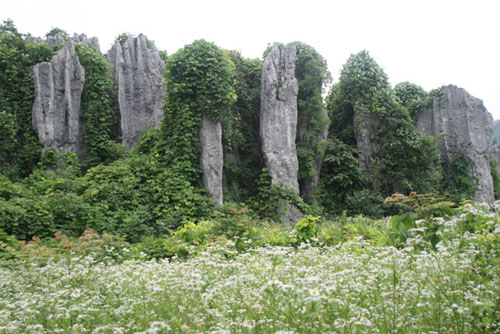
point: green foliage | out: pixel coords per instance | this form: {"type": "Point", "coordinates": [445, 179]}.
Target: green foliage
{"type": "Point", "coordinates": [403, 159]}
{"type": "Point", "coordinates": [122, 38]}
{"type": "Point", "coordinates": [496, 178]}
{"type": "Point", "coordinates": [57, 31]}
{"type": "Point", "coordinates": [411, 96]}
{"type": "Point", "coordinates": [20, 149]}
{"type": "Point", "coordinates": [199, 76]}
{"type": "Point", "coordinates": [457, 183]}
{"type": "Point", "coordinates": [240, 132]}
{"type": "Point", "coordinates": [97, 113]}
{"type": "Point", "coordinates": [198, 79]}
{"type": "Point", "coordinates": [313, 76]}
{"type": "Point", "coordinates": [271, 199]}
{"type": "Point", "coordinates": [340, 177]}
{"type": "Point", "coordinates": [307, 228]}
{"type": "Point", "coordinates": [426, 205]}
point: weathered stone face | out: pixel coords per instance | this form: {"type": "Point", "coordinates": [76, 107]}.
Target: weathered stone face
{"type": "Point", "coordinates": [467, 126]}
{"type": "Point", "coordinates": [138, 72]}
{"type": "Point", "coordinates": [278, 116]}
{"type": "Point", "coordinates": [211, 159]}
{"type": "Point", "coordinates": [278, 121]}
{"type": "Point", "coordinates": [57, 108]}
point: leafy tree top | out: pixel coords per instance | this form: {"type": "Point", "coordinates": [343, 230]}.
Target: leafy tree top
{"type": "Point", "coordinates": [362, 77]}
{"type": "Point", "coordinates": [411, 96]}
{"type": "Point", "coordinates": [201, 74]}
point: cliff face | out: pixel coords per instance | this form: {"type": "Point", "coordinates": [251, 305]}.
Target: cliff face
{"type": "Point", "coordinates": [57, 108]}
{"type": "Point", "coordinates": [467, 126]}
{"type": "Point", "coordinates": [138, 73]}
{"type": "Point", "coordinates": [278, 120]}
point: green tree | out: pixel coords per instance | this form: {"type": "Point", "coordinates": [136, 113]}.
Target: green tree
{"type": "Point", "coordinates": [403, 159]}
{"type": "Point", "coordinates": [411, 96]}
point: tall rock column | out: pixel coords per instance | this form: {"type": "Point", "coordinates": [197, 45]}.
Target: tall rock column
{"type": "Point", "coordinates": [278, 120]}
{"type": "Point", "coordinates": [211, 158]}
{"type": "Point", "coordinates": [138, 72]}
{"type": "Point", "coordinates": [467, 126]}
{"type": "Point", "coordinates": [57, 107]}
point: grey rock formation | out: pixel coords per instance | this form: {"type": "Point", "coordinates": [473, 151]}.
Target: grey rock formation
{"type": "Point", "coordinates": [278, 116]}
{"type": "Point", "coordinates": [55, 39]}
{"type": "Point", "coordinates": [33, 39]}
{"type": "Point", "coordinates": [59, 39]}
{"type": "Point", "coordinates": [278, 120]}
{"type": "Point", "coordinates": [365, 127]}
{"type": "Point", "coordinates": [82, 38]}
{"type": "Point", "coordinates": [138, 72]}
{"type": "Point", "coordinates": [467, 126]}
{"type": "Point", "coordinates": [56, 111]}
{"type": "Point", "coordinates": [307, 186]}
{"type": "Point", "coordinates": [211, 159]}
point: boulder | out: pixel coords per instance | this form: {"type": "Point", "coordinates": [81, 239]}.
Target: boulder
{"type": "Point", "coordinates": [138, 73]}
{"type": "Point", "coordinates": [57, 107]}
{"type": "Point", "coordinates": [278, 120]}
{"type": "Point", "coordinates": [467, 128]}
{"type": "Point", "coordinates": [211, 158]}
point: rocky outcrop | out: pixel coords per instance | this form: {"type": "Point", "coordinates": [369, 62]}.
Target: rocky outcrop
{"type": "Point", "coordinates": [467, 126]}
{"type": "Point", "coordinates": [278, 120]}
{"type": "Point", "coordinates": [55, 39]}
{"type": "Point", "coordinates": [211, 159]}
{"type": "Point", "coordinates": [59, 38]}
{"type": "Point", "coordinates": [82, 38]}
{"type": "Point", "coordinates": [138, 72]}
{"type": "Point", "coordinates": [57, 108]}
{"type": "Point", "coordinates": [308, 185]}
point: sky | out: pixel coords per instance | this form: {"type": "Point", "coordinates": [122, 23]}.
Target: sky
{"type": "Point", "coordinates": [428, 42]}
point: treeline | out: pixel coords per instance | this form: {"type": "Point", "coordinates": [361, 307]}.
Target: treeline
{"type": "Point", "coordinates": [157, 186]}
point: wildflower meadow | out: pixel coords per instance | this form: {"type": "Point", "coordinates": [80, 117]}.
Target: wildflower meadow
{"type": "Point", "coordinates": [353, 286]}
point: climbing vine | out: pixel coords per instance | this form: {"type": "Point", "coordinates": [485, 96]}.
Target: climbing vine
{"type": "Point", "coordinates": [97, 113]}
{"type": "Point", "coordinates": [457, 183]}
{"type": "Point", "coordinates": [20, 146]}
{"type": "Point", "coordinates": [313, 76]}
{"type": "Point", "coordinates": [240, 132]}
{"type": "Point", "coordinates": [198, 80]}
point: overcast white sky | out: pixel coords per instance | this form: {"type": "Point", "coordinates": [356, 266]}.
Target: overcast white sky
{"type": "Point", "coordinates": [428, 42]}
